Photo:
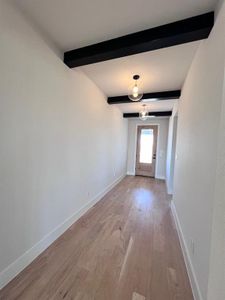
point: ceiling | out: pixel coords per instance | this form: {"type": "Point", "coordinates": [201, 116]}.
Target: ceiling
{"type": "Point", "coordinates": [70, 24]}
{"type": "Point", "coordinates": [159, 70]}
{"type": "Point", "coordinates": [76, 23]}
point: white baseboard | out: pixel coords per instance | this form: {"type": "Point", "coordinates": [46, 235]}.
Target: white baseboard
{"type": "Point", "coordinates": [169, 192]}
{"type": "Point", "coordinates": [131, 173]}
{"type": "Point", "coordinates": [190, 269]}
{"type": "Point", "coordinates": [168, 188]}
{"type": "Point", "coordinates": [157, 177]}
{"type": "Point", "coordinates": [24, 260]}
{"type": "Point", "coordinates": [160, 177]}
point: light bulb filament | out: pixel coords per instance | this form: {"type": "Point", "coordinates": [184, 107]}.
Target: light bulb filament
{"type": "Point", "coordinates": [135, 91]}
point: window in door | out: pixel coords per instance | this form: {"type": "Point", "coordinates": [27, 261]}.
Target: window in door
{"type": "Point", "coordinates": [146, 146]}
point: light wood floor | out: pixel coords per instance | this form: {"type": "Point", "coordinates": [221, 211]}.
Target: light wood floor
{"type": "Point", "coordinates": [125, 248]}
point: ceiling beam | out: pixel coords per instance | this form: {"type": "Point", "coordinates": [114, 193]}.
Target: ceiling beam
{"type": "Point", "coordinates": [167, 95]}
{"type": "Point", "coordinates": [152, 114]}
{"type": "Point", "coordinates": [176, 33]}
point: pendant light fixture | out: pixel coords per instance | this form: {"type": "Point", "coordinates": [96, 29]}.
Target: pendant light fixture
{"type": "Point", "coordinates": [143, 114]}
{"type": "Point", "coordinates": [134, 92]}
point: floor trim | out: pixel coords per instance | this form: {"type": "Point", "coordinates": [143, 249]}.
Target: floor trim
{"type": "Point", "coordinates": [24, 260]}
{"type": "Point", "coordinates": [156, 176]}
{"type": "Point", "coordinates": [160, 177]}
{"type": "Point", "coordinates": [168, 188]}
{"type": "Point", "coordinates": [131, 173]}
{"type": "Point", "coordinates": [190, 269]}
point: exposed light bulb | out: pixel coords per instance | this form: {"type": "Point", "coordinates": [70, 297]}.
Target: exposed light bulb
{"type": "Point", "coordinates": [133, 93]}
{"type": "Point", "coordinates": [135, 89]}
{"type": "Point", "coordinates": [143, 114]}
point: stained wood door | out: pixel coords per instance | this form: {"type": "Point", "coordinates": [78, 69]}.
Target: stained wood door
{"type": "Point", "coordinates": [146, 150]}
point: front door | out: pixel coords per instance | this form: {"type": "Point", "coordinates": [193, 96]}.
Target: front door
{"type": "Point", "coordinates": [146, 150]}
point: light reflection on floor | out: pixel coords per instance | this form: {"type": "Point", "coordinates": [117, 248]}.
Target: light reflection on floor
{"type": "Point", "coordinates": [143, 198]}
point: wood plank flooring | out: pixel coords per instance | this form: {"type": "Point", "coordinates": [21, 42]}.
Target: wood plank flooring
{"type": "Point", "coordinates": [125, 248]}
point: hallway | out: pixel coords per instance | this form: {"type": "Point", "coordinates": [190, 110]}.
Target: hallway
{"type": "Point", "coordinates": [129, 232]}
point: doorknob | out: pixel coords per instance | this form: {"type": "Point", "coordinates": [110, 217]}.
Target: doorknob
{"type": "Point", "coordinates": [154, 156]}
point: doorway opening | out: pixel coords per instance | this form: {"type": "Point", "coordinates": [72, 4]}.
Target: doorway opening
{"type": "Point", "coordinates": [173, 154]}
{"type": "Point", "coordinates": [146, 150]}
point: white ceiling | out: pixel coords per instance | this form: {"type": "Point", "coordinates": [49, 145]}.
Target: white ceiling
{"type": "Point", "coordinates": [70, 24]}
{"type": "Point", "coordinates": [75, 23]}
{"type": "Point", "coordinates": [160, 70]}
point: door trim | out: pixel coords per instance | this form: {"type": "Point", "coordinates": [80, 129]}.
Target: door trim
{"type": "Point", "coordinates": [157, 146]}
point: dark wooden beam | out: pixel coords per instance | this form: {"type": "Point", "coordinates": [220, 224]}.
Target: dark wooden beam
{"type": "Point", "coordinates": [167, 95]}
{"type": "Point", "coordinates": [152, 114]}
{"type": "Point", "coordinates": [180, 32]}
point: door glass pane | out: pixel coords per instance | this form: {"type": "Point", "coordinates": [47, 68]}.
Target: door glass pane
{"type": "Point", "coordinates": [146, 146]}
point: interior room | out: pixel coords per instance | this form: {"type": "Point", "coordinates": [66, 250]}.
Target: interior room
{"type": "Point", "coordinates": [112, 127]}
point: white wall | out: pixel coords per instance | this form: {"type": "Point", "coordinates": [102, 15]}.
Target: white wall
{"type": "Point", "coordinates": [62, 145]}
{"type": "Point", "coordinates": [171, 149]}
{"type": "Point", "coordinates": [161, 147]}
{"type": "Point", "coordinates": [197, 145]}
{"type": "Point", "coordinates": [216, 289]}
